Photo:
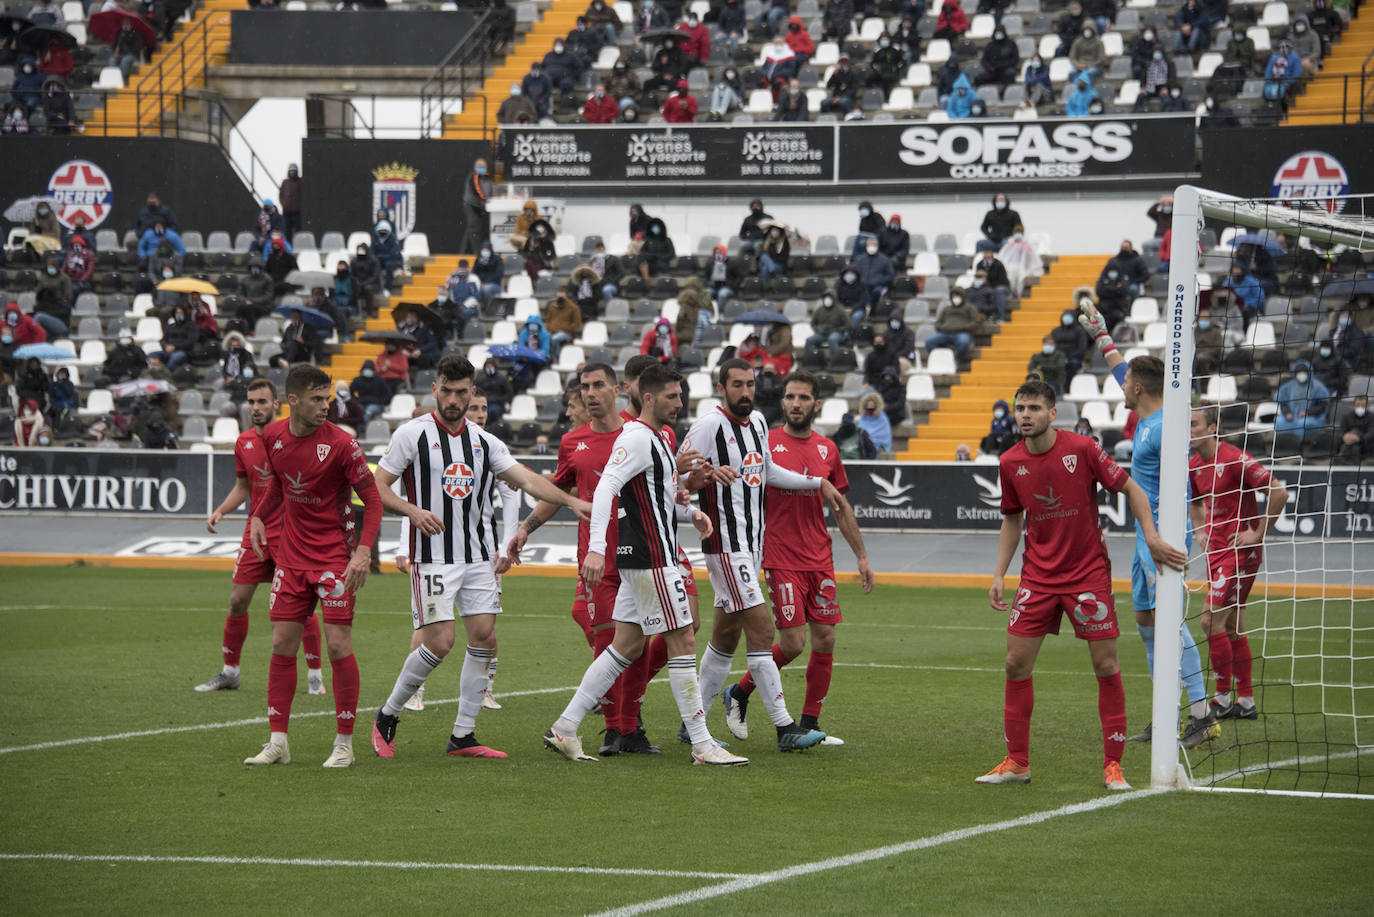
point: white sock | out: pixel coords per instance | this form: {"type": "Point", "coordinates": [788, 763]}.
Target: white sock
{"type": "Point", "coordinates": [1223, 699]}
{"type": "Point", "coordinates": [417, 667]}
{"type": "Point", "coordinates": [1198, 708]}
{"type": "Point", "coordinates": [314, 677]}
{"type": "Point", "coordinates": [472, 686]}
{"type": "Point", "coordinates": [596, 681]}
{"type": "Point", "coordinates": [715, 668]}
{"type": "Point", "coordinates": [682, 678]}
{"type": "Point", "coordinates": [768, 686]}
{"type": "Point", "coordinates": [277, 738]}
{"type": "Point", "coordinates": [491, 676]}
{"type": "Point", "coordinates": [341, 741]}
{"type": "Point", "coordinates": [1246, 702]}
{"type": "Point", "coordinates": [232, 670]}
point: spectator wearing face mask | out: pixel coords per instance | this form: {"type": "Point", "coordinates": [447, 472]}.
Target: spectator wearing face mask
{"type": "Point", "coordinates": [125, 361]}
{"type": "Point", "coordinates": [179, 337]}
{"type": "Point", "coordinates": [887, 66]}
{"type": "Point", "coordinates": [983, 297]}
{"type": "Point", "coordinates": [902, 341]}
{"type": "Point", "coordinates": [792, 103]}
{"type": "Point", "coordinates": [1068, 26]}
{"type": "Point", "coordinates": [1348, 338]}
{"type": "Point", "coordinates": [1302, 402]}
{"type": "Point", "coordinates": [1084, 101]}
{"type": "Point", "coordinates": [800, 41]}
{"type": "Point", "coordinates": [1001, 434]}
{"type": "Point", "coordinates": [1162, 213]}
{"type": "Point", "coordinates": [147, 245]}
{"type": "Point", "coordinates": [895, 242]}
{"type": "Point", "coordinates": [345, 409]}
{"type": "Point", "coordinates": [1072, 342]}
{"type": "Point", "coordinates": [1039, 87]}
{"type": "Point", "coordinates": [875, 271]}
{"type": "Point", "coordinates": [53, 304]}
{"type": "Point", "coordinates": [600, 108]}
{"type": "Point", "coordinates": [1194, 32]}
{"type": "Point", "coordinates": [563, 319]}
{"type": "Point", "coordinates": [1142, 50]}
{"type": "Point", "coordinates": [660, 342]}
{"type": "Point", "coordinates": [367, 277]}
{"type": "Point", "coordinates": [726, 96]}
{"type": "Point", "coordinates": [750, 231]}
{"type": "Point", "coordinates": [1208, 344]}
{"type": "Point", "coordinates": [157, 434]}
{"type": "Point", "coordinates": [852, 296]}
{"type": "Point", "coordinates": [873, 420]}
{"type": "Point", "coordinates": [870, 224]}
{"type": "Point", "coordinates": [1330, 370]}
{"type": "Point", "coordinates": [586, 42]}
{"type": "Point", "coordinates": [1355, 433]}
{"type": "Point", "coordinates": [880, 359]}
{"type": "Point", "coordinates": [489, 270]}
{"type": "Point", "coordinates": [237, 360]}
{"type": "Point", "coordinates": [681, 106]}
{"type": "Point", "coordinates": [998, 223]}
{"type": "Point", "coordinates": [907, 37]}
{"type": "Point", "coordinates": [658, 251]}
{"type": "Point", "coordinates": [779, 60]}
{"type": "Point", "coordinates": [830, 325]}
{"type": "Point", "coordinates": [1113, 294]}
{"type": "Point", "coordinates": [258, 292]}
{"type": "Point", "coordinates": [370, 391]}
{"type": "Point", "coordinates": [79, 264]}
{"type": "Point", "coordinates": [955, 325]}
{"type": "Point", "coordinates": [998, 64]}
{"type": "Point", "coordinates": [1249, 293]}
{"type": "Point", "coordinates": [776, 255]}
{"type": "Point", "coordinates": [1133, 267]}
{"type": "Point", "coordinates": [498, 388]}
{"type": "Point", "coordinates": [1282, 72]}
{"type": "Point", "coordinates": [697, 44]}
{"type": "Point", "coordinates": [1049, 364]}
{"type": "Point", "coordinates": [1159, 75]}
{"type": "Point", "coordinates": [841, 89]}
{"type": "Point", "coordinates": [722, 275]}
{"type": "Point", "coordinates": [960, 102]}
{"type": "Point", "coordinates": [562, 67]}
{"type": "Point", "coordinates": [996, 279]}
{"type": "Point", "coordinates": [604, 20]}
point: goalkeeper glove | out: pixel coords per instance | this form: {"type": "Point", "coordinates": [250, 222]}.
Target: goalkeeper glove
{"type": "Point", "coordinates": [1096, 326]}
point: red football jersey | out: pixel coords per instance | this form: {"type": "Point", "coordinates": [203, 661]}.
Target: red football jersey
{"type": "Point", "coordinates": [582, 456]}
{"type": "Point", "coordinates": [796, 537]}
{"type": "Point", "coordinates": [1229, 482]}
{"type": "Point", "coordinates": [250, 463]}
{"type": "Point", "coordinates": [314, 477]}
{"type": "Point", "coordinates": [1057, 490]}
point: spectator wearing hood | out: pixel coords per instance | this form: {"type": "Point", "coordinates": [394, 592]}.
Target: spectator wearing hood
{"type": "Point", "coordinates": [902, 341]}
{"type": "Point", "coordinates": [623, 85]}
{"type": "Point", "coordinates": [955, 325]}
{"type": "Point", "coordinates": [370, 391]}
{"type": "Point", "coordinates": [837, 17]}
{"type": "Point", "coordinates": [341, 293]}
{"type": "Point", "coordinates": [680, 107]}
{"type": "Point", "coordinates": [1249, 293]}
{"type": "Point", "coordinates": [53, 304]}
{"type": "Point", "coordinates": [238, 364]}
{"type": "Point", "coordinates": [751, 231]}
{"type": "Point", "coordinates": [660, 342]}
{"type": "Point", "coordinates": [497, 386]}
{"type": "Point", "coordinates": [650, 16]}
{"type": "Point", "coordinates": [1019, 260]}
{"type": "Point", "coordinates": [751, 350]}
{"type": "Point", "coordinates": [386, 247]}
{"type": "Point", "coordinates": [1132, 266]}
{"type": "Point", "coordinates": [1087, 55]}
{"type": "Point", "coordinates": [27, 88]}
{"type": "Point", "coordinates": [1001, 432]}
{"type": "Point", "coordinates": [601, 18]}
{"type": "Point", "coordinates": [62, 397]}
{"type": "Point", "coordinates": [268, 221]}
{"type": "Point", "coordinates": [1355, 432]}
{"type": "Point", "coordinates": [1158, 76]}
{"type": "Point", "coordinates": [79, 264]}
{"type": "Point", "coordinates": [1194, 30]}
{"type": "Point", "coordinates": [874, 421]}
{"type": "Point", "coordinates": [1283, 71]}
{"type": "Point", "coordinates": [895, 242]}
{"type": "Point", "coordinates": [584, 290]}
{"type": "Point", "coordinates": [20, 329]}
{"type": "Point", "coordinates": [157, 434]}
{"type": "Point", "coordinates": [125, 361]}
{"type": "Point", "coordinates": [489, 270]}
{"type": "Point", "coordinates": [658, 252]}
{"type": "Point", "coordinates": [946, 77]}
{"type": "Point", "coordinates": [31, 430]}
{"type": "Point", "coordinates": [1080, 104]}
{"type": "Point", "coordinates": [1039, 87]}
{"type": "Point", "coordinates": [1049, 364]}
{"type": "Point", "coordinates": [998, 223]}
{"type": "Point", "coordinates": [540, 254]}
{"type": "Point", "coordinates": [887, 66]}
{"type": "Point", "coordinates": [367, 277]}
{"type": "Point", "coordinates": [800, 41]}
{"type": "Point", "coordinates": [829, 325]}
{"type": "Point", "coordinates": [951, 23]}
{"type": "Point", "coordinates": [870, 224]}
{"type": "Point", "coordinates": [258, 292]}
{"type": "Point", "coordinates": [1326, 22]}
{"type": "Point", "coordinates": [841, 89]}
{"type": "Point", "coordinates": [722, 276]}
{"type": "Point", "coordinates": [16, 119]}
{"type": "Point", "coordinates": [148, 243]}
{"type": "Point", "coordinates": [777, 355]}
{"type": "Point", "coordinates": [31, 382]}
{"type": "Point", "coordinates": [882, 358]}
{"type": "Point", "coordinates": [1069, 26]}
{"type": "Point", "coordinates": [732, 28]}
{"type": "Point", "coordinates": [907, 37]}
{"type": "Point", "coordinates": [179, 338]}
{"type": "Point", "coordinates": [1348, 338]}
{"type": "Point", "coordinates": [1113, 294]}
{"type": "Point", "coordinates": [345, 409]}
{"type": "Point", "coordinates": [851, 295]}
{"type": "Point", "coordinates": [563, 320]}
{"type": "Point", "coordinates": [894, 396]}
{"type": "Point", "coordinates": [290, 192]}
{"type": "Point", "coordinates": [1000, 57]}
{"type": "Point", "coordinates": [1302, 402]}
{"type": "Point", "coordinates": [538, 88]}
{"type": "Point", "coordinates": [1330, 369]}
{"type": "Point", "coordinates": [853, 442]}
{"type": "Point", "coordinates": [535, 336]}
{"type": "Point", "coordinates": [280, 260]}
{"type": "Point", "coordinates": [639, 221]}
{"type": "Point", "coordinates": [875, 270]}
{"type": "Point", "coordinates": [1072, 342]}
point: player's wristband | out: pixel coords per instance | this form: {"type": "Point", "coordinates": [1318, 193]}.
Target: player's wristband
{"type": "Point", "coordinates": [1106, 344]}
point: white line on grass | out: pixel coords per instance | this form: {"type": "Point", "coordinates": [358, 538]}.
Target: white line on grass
{"type": "Point", "coordinates": [748, 883]}
{"type": "Point", "coordinates": [368, 864]}
{"type": "Point", "coordinates": [229, 724]}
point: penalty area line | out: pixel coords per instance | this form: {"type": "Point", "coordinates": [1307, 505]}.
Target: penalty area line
{"type": "Point", "coordinates": [366, 864]}
{"type": "Point", "coordinates": [750, 882]}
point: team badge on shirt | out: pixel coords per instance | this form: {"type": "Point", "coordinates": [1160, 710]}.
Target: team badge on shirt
{"type": "Point", "coordinates": [1071, 463]}
{"type": "Point", "coordinates": [458, 479]}
{"type": "Point", "coordinates": [322, 451]}
{"type": "Point", "coordinates": [823, 450]}
{"type": "Point", "coordinates": [751, 469]}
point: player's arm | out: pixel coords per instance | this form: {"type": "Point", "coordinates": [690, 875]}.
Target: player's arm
{"type": "Point", "coordinates": [628, 459]}
{"type": "Point", "coordinates": [232, 502]}
{"type": "Point", "coordinates": [1007, 541]}
{"type": "Point", "coordinates": [1276, 498]}
{"type": "Point", "coordinates": [543, 488]}
{"type": "Point", "coordinates": [365, 486]}
{"type": "Point", "coordinates": [1096, 326]}
{"type": "Point", "coordinates": [848, 525]}
{"type": "Point", "coordinates": [510, 521]}
{"type": "Point", "coordinates": [402, 557]}
{"type": "Point", "coordinates": [257, 530]}
{"type": "Point", "coordinates": [1140, 505]}
{"type": "Point", "coordinates": [424, 521]}
{"type": "Point", "coordinates": [1197, 512]}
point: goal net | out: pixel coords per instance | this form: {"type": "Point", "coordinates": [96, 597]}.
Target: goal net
{"type": "Point", "coordinates": [1268, 344]}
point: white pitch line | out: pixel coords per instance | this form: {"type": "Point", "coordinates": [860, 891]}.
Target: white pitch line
{"type": "Point", "coordinates": [367, 864]}
{"type": "Point", "coordinates": [1264, 767]}
{"type": "Point", "coordinates": [748, 883]}
{"type": "Point", "coordinates": [229, 724]}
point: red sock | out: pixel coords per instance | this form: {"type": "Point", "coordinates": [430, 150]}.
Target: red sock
{"type": "Point", "coordinates": [601, 639]}
{"type": "Point", "coordinates": [1242, 664]}
{"type": "Point", "coordinates": [746, 684]}
{"type": "Point", "coordinates": [818, 669]}
{"type": "Point", "coordinates": [281, 688]}
{"type": "Point", "coordinates": [1111, 709]}
{"type": "Point", "coordinates": [1219, 647]}
{"type": "Point", "coordinates": [310, 642]}
{"type": "Point", "coordinates": [1016, 717]}
{"type": "Point", "coordinates": [658, 656]}
{"type": "Point", "coordinates": [235, 632]}
{"type": "Point", "coordinates": [583, 617]}
{"type": "Point", "coordinates": [630, 694]}
{"type": "Point", "coordinates": [345, 692]}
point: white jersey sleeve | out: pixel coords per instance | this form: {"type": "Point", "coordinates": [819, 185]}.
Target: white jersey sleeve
{"type": "Point", "coordinates": [629, 456]}
{"type": "Point", "coordinates": [400, 452]}
{"type": "Point", "coordinates": [785, 478]}
{"type": "Point", "coordinates": [510, 514]}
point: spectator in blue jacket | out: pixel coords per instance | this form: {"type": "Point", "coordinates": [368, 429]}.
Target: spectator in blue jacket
{"type": "Point", "coordinates": [1282, 72]}
{"type": "Point", "coordinates": [538, 88]}
{"type": "Point", "coordinates": [148, 244]}
{"type": "Point", "coordinates": [1302, 402]}
{"type": "Point", "coordinates": [1249, 293]}
{"type": "Point", "coordinates": [1039, 88]}
{"type": "Point", "coordinates": [961, 99]}
{"type": "Point", "coordinates": [490, 271]}
{"type": "Point", "coordinates": [536, 337]}
{"type": "Point", "coordinates": [875, 271]}
{"type": "Point", "coordinates": [1080, 103]}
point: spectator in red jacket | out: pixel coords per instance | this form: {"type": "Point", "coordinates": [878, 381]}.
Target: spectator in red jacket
{"type": "Point", "coordinates": [600, 108]}
{"type": "Point", "coordinates": [799, 40]}
{"type": "Point", "coordinates": [660, 342]}
{"type": "Point", "coordinates": [680, 108]}
{"type": "Point", "coordinates": [79, 264]}
{"type": "Point", "coordinates": [20, 329]}
{"type": "Point", "coordinates": [698, 43]}
{"type": "Point", "coordinates": [951, 23]}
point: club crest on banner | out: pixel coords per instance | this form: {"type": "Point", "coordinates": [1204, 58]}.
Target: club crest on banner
{"type": "Point", "coordinates": [394, 191]}
{"type": "Point", "coordinates": [81, 188]}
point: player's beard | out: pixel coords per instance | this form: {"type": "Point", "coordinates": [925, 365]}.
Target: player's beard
{"type": "Point", "coordinates": [452, 414]}
{"type": "Point", "coordinates": [741, 408]}
{"type": "Point", "coordinates": [799, 428]}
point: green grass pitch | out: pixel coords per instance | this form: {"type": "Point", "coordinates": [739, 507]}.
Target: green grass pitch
{"type": "Point", "coordinates": [917, 695]}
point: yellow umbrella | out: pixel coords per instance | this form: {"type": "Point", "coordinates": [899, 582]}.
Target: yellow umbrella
{"type": "Point", "coordinates": [188, 285]}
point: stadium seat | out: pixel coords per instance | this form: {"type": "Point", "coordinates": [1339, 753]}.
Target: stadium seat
{"type": "Point", "coordinates": [1220, 389]}
{"type": "Point", "coordinates": [1260, 334]}
{"type": "Point", "coordinates": [195, 432]}
{"type": "Point", "coordinates": [225, 432]}
{"type": "Point", "coordinates": [593, 335]}
{"type": "Point", "coordinates": [1144, 310]}
{"type": "Point", "coordinates": [92, 353]}
{"type": "Point", "coordinates": [1153, 338]}
{"type": "Point", "coordinates": [1083, 387]}
{"type": "Point", "coordinates": [402, 406]}
{"type": "Point", "coordinates": [937, 52]}
{"type": "Point", "coordinates": [547, 383]}
{"type": "Point", "coordinates": [523, 409]}
{"type": "Point", "coordinates": [569, 358]}
{"type": "Point", "coordinates": [1111, 389]}
{"type": "Point", "coordinates": [1096, 413]}
{"type": "Point", "coordinates": [760, 102]}
{"type": "Point", "coordinates": [917, 76]}
{"type": "Point", "coordinates": [377, 432]}
{"type": "Point", "coordinates": [148, 330]}
{"type": "Point", "coordinates": [519, 286]}
{"type": "Point", "coordinates": [832, 411]}
{"type": "Point", "coordinates": [920, 391]}
{"type": "Point", "coordinates": [503, 332]}
{"type": "Point", "coordinates": [941, 362]}
{"type": "Point", "coordinates": [901, 100]}
{"type": "Point", "coordinates": [699, 386]}
{"type": "Point", "coordinates": [1275, 16]}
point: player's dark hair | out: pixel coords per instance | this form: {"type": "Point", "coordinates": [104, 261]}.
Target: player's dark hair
{"type": "Point", "coordinates": [303, 377]}
{"type": "Point", "coordinates": [723, 370]}
{"type": "Point", "coordinates": [803, 377]}
{"type": "Point", "coordinates": [656, 378]}
{"type": "Point", "coordinates": [636, 365]}
{"type": "Point", "coordinates": [1211, 414]}
{"type": "Point", "coordinates": [1149, 372]}
{"type": "Point", "coordinates": [478, 392]}
{"type": "Point", "coordinates": [1036, 388]}
{"type": "Point", "coordinates": [264, 383]}
{"type": "Point", "coordinates": [454, 368]}
{"type": "Point", "coordinates": [606, 368]}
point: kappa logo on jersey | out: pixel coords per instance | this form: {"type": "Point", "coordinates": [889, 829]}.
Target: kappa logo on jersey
{"type": "Point", "coordinates": [329, 586]}
{"type": "Point", "coordinates": [458, 480]}
{"type": "Point", "coordinates": [322, 451]}
{"type": "Point", "coordinates": [276, 445]}
{"type": "Point", "coordinates": [752, 469]}
{"type": "Point", "coordinates": [1071, 463]}
{"type": "Point", "coordinates": [779, 448]}
{"type": "Point", "coordinates": [1021, 470]}
{"type": "Point", "coordinates": [582, 447]}
{"type": "Point", "coordinates": [248, 445]}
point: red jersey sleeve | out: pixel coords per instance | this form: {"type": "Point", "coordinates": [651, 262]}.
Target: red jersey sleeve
{"type": "Point", "coordinates": [1011, 502]}
{"type": "Point", "coordinates": [240, 469]}
{"type": "Point", "coordinates": [565, 475]}
{"type": "Point", "coordinates": [837, 475]}
{"type": "Point", "coordinates": [355, 465]}
{"type": "Point", "coordinates": [1255, 475]}
{"type": "Point", "coordinates": [1107, 472]}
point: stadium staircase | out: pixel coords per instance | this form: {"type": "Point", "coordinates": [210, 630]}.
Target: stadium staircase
{"type": "Point", "coordinates": [1333, 97]}
{"type": "Point", "coordinates": [999, 368]}
{"type": "Point", "coordinates": [348, 361]}
{"type": "Point", "coordinates": [477, 120]}
{"type": "Point", "coordinates": [155, 90]}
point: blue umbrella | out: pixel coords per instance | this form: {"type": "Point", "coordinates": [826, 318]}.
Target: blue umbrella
{"type": "Point", "coordinates": [516, 351]}
{"type": "Point", "coordinates": [45, 352]}
{"type": "Point", "coordinates": [1255, 238]}
{"type": "Point", "coordinates": [761, 317]}
{"type": "Point", "coordinates": [312, 317]}
{"type": "Point", "coordinates": [1346, 286]}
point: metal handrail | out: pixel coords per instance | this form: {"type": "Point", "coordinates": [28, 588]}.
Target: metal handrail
{"type": "Point", "coordinates": [172, 69]}
{"type": "Point", "coordinates": [469, 57]}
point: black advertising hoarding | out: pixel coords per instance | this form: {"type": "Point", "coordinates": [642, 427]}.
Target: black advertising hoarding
{"type": "Point", "coordinates": [688, 154]}
{"type": "Point", "coordinates": [107, 481]}
{"type": "Point", "coordinates": [363, 38]}
{"type": "Point", "coordinates": [1289, 162]}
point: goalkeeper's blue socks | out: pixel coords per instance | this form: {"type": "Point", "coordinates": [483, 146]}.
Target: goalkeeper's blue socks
{"type": "Point", "coordinates": [1191, 670]}
{"type": "Point", "coordinates": [1147, 633]}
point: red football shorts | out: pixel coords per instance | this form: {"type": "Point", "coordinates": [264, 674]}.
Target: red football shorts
{"type": "Point", "coordinates": [1035, 613]}
{"type": "Point", "coordinates": [689, 580]}
{"type": "Point", "coordinates": [295, 592]}
{"type": "Point", "coordinates": [803, 595]}
{"type": "Point", "coordinates": [601, 603]}
{"type": "Point", "coordinates": [1231, 576]}
{"type": "Point", "coordinates": [248, 568]}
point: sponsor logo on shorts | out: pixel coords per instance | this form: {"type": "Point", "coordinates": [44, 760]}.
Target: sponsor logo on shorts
{"type": "Point", "coordinates": [1090, 613]}
{"type": "Point", "coordinates": [655, 621]}
{"type": "Point", "coordinates": [826, 597]}
{"type": "Point", "coordinates": [624, 549]}
{"type": "Point", "coordinates": [329, 586]}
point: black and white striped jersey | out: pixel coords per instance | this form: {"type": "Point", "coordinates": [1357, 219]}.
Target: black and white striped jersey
{"type": "Point", "coordinates": [641, 471]}
{"type": "Point", "coordinates": [449, 473]}
{"type": "Point", "coordinates": [736, 510]}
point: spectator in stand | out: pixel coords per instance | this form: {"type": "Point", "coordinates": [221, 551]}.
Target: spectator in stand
{"type": "Point", "coordinates": [157, 434]}
{"type": "Point", "coordinates": [462, 284]}
{"type": "Point", "coordinates": [732, 28]}
{"type": "Point", "coordinates": [697, 45]}
{"type": "Point", "coordinates": [1049, 364]}
{"type": "Point", "coordinates": [563, 319]}
{"type": "Point", "coordinates": [893, 393]}
{"type": "Point", "coordinates": [1087, 55]}
{"type": "Point", "coordinates": [1346, 336]}
{"type": "Point", "coordinates": [80, 231]}
{"type": "Point", "coordinates": [907, 38]}
{"type": "Point", "coordinates": [639, 222]}
{"type": "Point", "coordinates": [752, 229]}
{"type": "Point", "coordinates": [650, 16]}
{"type": "Point", "coordinates": [1330, 369]}
{"type": "Point", "coordinates": [267, 222]}
{"type": "Point", "coordinates": [995, 275]}
{"type": "Point", "coordinates": [880, 359]}
{"type": "Point", "coordinates": [874, 421]}
{"type": "Point", "coordinates": [853, 442]}
{"type": "Point", "coordinates": [125, 361]}
{"type": "Point", "coordinates": [694, 312]}
{"type": "Point", "coordinates": [852, 296]}
{"type": "Point", "coordinates": [837, 17]}
{"type": "Point", "coordinates": [773, 12]}
{"type": "Point", "coordinates": [1002, 433]}
{"type": "Point", "coordinates": [1208, 342]}
{"type": "Point", "coordinates": [346, 410]}
{"type": "Point", "coordinates": [776, 256]}
{"type": "Point", "coordinates": [258, 293]}
{"type": "Point", "coordinates": [290, 194]}
{"type": "Point", "coordinates": [1249, 293]}
{"type": "Point", "coordinates": [53, 303]}
{"type": "Point", "coordinates": [47, 13]}
{"type": "Point", "coordinates": [490, 271]}
{"type": "Point", "coordinates": [1102, 13]}
{"type": "Point", "coordinates": [722, 276]}
{"type": "Point", "coordinates": [955, 325]}
{"type": "Point", "coordinates": [792, 103]}
{"type": "Point", "coordinates": [540, 254]}
{"type": "Point", "coordinates": [680, 107]}
{"type": "Point", "coordinates": [624, 85]}
{"type": "Point", "coordinates": [599, 107]}
{"type": "Point", "coordinates": [498, 387]}
{"type": "Point", "coordinates": [515, 109]}
{"type": "Point", "coordinates": [668, 66]}
{"type": "Point", "coordinates": [895, 243]}
{"type": "Point", "coordinates": [870, 224]}
{"type": "Point", "coordinates": [1113, 294]}
{"type": "Point", "coordinates": [726, 96]}
{"type": "Point", "coordinates": [875, 271]}
{"type": "Point", "coordinates": [424, 353]}
{"type": "Point", "coordinates": [1302, 403]}
{"type": "Point", "coordinates": [960, 102]}
{"type": "Point", "coordinates": [887, 66]}
{"type": "Point", "coordinates": [658, 252]}
{"type": "Point", "coordinates": [778, 350]}
{"type": "Point", "coordinates": [830, 325]}
{"type": "Point", "coordinates": [951, 24]}
{"type": "Point", "coordinates": [608, 270]}
{"type": "Point", "coordinates": [127, 49]}
{"type": "Point", "coordinates": [1069, 27]}
{"type": "Point", "coordinates": [280, 260]}
{"type": "Point", "coordinates": [370, 391]}
{"type": "Point", "coordinates": [56, 61]}
{"type": "Point", "coordinates": [536, 337]}
{"type": "Point", "coordinates": [982, 297]}
{"type": "Point", "coordinates": [751, 350]}
{"type": "Point", "coordinates": [1020, 260]}
{"type": "Point", "coordinates": [1162, 213]}
{"type": "Point", "coordinates": [456, 314]}
{"type": "Point", "coordinates": [1158, 77]}
{"type": "Point", "coordinates": [341, 295]}
{"type": "Point", "coordinates": [902, 341]}
{"type": "Point", "coordinates": [153, 213]}
{"type": "Point", "coordinates": [1071, 341]}
{"type": "Point", "coordinates": [1283, 72]}
{"type": "Point", "coordinates": [393, 367]}
{"type": "Point", "coordinates": [841, 89]}
{"type": "Point", "coordinates": [1355, 432]}
{"type": "Point", "coordinates": [602, 18]}
{"type": "Point", "coordinates": [946, 77]}
{"type": "Point", "coordinates": [562, 67]}
{"type": "Point", "coordinates": [585, 42]}
{"type": "Point", "coordinates": [237, 361]}
{"type": "Point", "coordinates": [299, 342]}
{"type": "Point", "coordinates": [998, 223]}
{"type": "Point", "coordinates": [1142, 51]}
{"type": "Point", "coordinates": [79, 264]}
{"type": "Point", "coordinates": [999, 60]}
{"type": "Point", "coordinates": [660, 342]}
{"type": "Point", "coordinates": [538, 89]}
{"type": "Point", "coordinates": [179, 337]}
{"type": "Point", "coordinates": [147, 244]}
{"type": "Point", "coordinates": [800, 41]}
{"type": "Point", "coordinates": [386, 248]}
{"type": "Point", "coordinates": [1194, 33]}
{"type": "Point", "coordinates": [779, 60]}
{"type": "Point", "coordinates": [1039, 88]}
{"type": "Point", "coordinates": [1132, 267]}
{"type": "Point", "coordinates": [1083, 100]}
{"type": "Point", "coordinates": [1326, 22]}
{"type": "Point", "coordinates": [32, 383]}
